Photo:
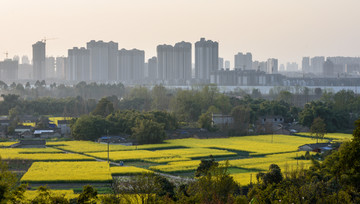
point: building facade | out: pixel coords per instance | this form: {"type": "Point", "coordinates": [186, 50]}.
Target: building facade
{"type": "Point", "coordinates": [131, 65]}
{"type": "Point", "coordinates": [39, 60]}
{"type": "Point", "coordinates": [243, 61]}
{"type": "Point", "coordinates": [206, 59]}
{"type": "Point", "coordinates": [103, 60]}
{"type": "Point", "coordinates": [272, 66]}
{"type": "Point", "coordinates": [78, 65]}
{"type": "Point", "coordinates": [9, 70]}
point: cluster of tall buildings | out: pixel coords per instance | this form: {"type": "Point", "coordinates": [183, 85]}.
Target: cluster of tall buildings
{"type": "Point", "coordinates": [331, 66]}
{"type": "Point", "coordinates": [173, 65]}
{"type": "Point", "coordinates": [104, 62]}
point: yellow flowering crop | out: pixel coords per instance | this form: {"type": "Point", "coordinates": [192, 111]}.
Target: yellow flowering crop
{"type": "Point", "coordinates": [167, 159]}
{"type": "Point", "coordinates": [127, 170]}
{"type": "Point", "coordinates": [69, 194]}
{"type": "Point", "coordinates": [129, 155]}
{"type": "Point", "coordinates": [41, 155]}
{"type": "Point", "coordinates": [6, 144]}
{"type": "Point", "coordinates": [177, 166]}
{"type": "Point", "coordinates": [88, 146]}
{"type": "Point", "coordinates": [67, 172]}
{"type": "Point", "coordinates": [338, 137]}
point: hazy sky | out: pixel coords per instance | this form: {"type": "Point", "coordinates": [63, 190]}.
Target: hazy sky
{"type": "Point", "coordinates": [283, 29]}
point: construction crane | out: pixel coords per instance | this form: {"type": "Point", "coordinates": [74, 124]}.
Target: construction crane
{"type": "Point", "coordinates": [46, 39]}
{"type": "Point", "coordinates": [6, 54]}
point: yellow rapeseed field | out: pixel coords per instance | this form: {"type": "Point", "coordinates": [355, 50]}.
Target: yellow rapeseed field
{"type": "Point", "coordinates": [69, 172]}
{"type": "Point", "coordinates": [6, 144]}
{"type": "Point", "coordinates": [146, 154]}
{"type": "Point", "coordinates": [128, 155]}
{"type": "Point", "coordinates": [167, 159]}
{"type": "Point", "coordinates": [43, 154]}
{"type": "Point", "coordinates": [87, 146]}
{"type": "Point", "coordinates": [69, 194]}
{"type": "Point", "coordinates": [127, 170]}
{"type": "Point", "coordinates": [177, 166]}
{"type": "Point", "coordinates": [337, 137]}
{"type": "Point", "coordinates": [251, 154]}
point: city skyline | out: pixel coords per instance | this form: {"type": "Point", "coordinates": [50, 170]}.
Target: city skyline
{"type": "Point", "coordinates": [278, 29]}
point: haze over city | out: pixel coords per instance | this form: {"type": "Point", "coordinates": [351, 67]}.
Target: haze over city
{"type": "Point", "coordinates": [282, 29]}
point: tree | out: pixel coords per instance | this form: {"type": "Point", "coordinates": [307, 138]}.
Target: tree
{"type": "Point", "coordinates": [318, 92]}
{"type": "Point", "coordinates": [89, 127]}
{"type": "Point", "coordinates": [148, 132]}
{"type": "Point", "coordinates": [160, 100]}
{"type": "Point", "coordinates": [88, 195]}
{"type": "Point", "coordinates": [255, 93]}
{"type": "Point", "coordinates": [44, 196]}
{"type": "Point", "coordinates": [217, 186]}
{"type": "Point", "coordinates": [27, 85]}
{"type": "Point", "coordinates": [147, 188]}
{"type": "Point", "coordinates": [272, 176]}
{"type": "Point", "coordinates": [7, 182]}
{"type": "Point", "coordinates": [243, 116]}
{"type": "Point", "coordinates": [3, 85]}
{"type": "Point", "coordinates": [205, 166]}
{"type": "Point", "coordinates": [205, 121]}
{"type": "Point", "coordinates": [285, 96]}
{"type": "Point", "coordinates": [103, 108]}
{"type": "Point", "coordinates": [318, 129]}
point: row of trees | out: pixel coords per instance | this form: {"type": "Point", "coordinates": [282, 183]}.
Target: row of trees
{"type": "Point", "coordinates": [143, 127]}
{"type": "Point", "coordinates": [192, 107]}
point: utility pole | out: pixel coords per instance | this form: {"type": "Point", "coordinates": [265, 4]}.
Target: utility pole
{"type": "Point", "coordinates": [108, 146]}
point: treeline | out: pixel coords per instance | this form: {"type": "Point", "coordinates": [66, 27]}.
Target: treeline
{"type": "Point", "coordinates": [194, 107]}
{"type": "Point", "coordinates": [85, 90]}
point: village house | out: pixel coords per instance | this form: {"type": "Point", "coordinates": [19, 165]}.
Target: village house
{"type": "Point", "coordinates": [317, 147]}
{"type": "Point", "coordinates": [222, 120]}
{"type": "Point", "coordinates": [64, 127]}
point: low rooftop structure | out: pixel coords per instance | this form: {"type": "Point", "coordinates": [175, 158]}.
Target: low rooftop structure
{"type": "Point", "coordinates": [316, 147]}
{"type": "Point", "coordinates": [30, 143]}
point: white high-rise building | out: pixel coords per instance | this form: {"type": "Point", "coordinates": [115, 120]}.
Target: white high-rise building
{"type": "Point", "coordinates": [206, 59]}
{"type": "Point", "coordinates": [39, 67]}
{"type": "Point", "coordinates": [61, 64]}
{"type": "Point", "coordinates": [78, 65]}
{"type": "Point", "coordinates": [182, 62]}
{"type": "Point", "coordinates": [50, 67]}
{"type": "Point", "coordinates": [103, 60]}
{"type": "Point", "coordinates": [152, 68]}
{"type": "Point", "coordinates": [272, 66]}
{"type": "Point", "coordinates": [243, 61]}
{"type": "Point", "coordinates": [221, 63]}
{"type": "Point", "coordinates": [131, 65]}
{"type": "Point", "coordinates": [227, 64]}
{"type": "Point", "coordinates": [305, 64]}
{"type": "Point", "coordinates": [317, 64]}
{"type": "Point", "coordinates": [165, 59]}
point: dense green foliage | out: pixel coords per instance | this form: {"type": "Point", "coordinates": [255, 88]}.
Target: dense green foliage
{"type": "Point", "coordinates": [148, 132]}
{"type": "Point", "coordinates": [339, 111]}
{"type": "Point", "coordinates": [318, 129]}
{"type": "Point", "coordinates": [144, 127]}
{"type": "Point", "coordinates": [336, 180]}
{"type": "Point", "coordinates": [89, 127]}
